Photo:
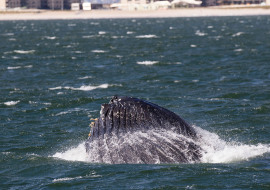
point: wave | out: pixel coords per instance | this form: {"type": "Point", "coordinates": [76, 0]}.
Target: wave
{"type": "Point", "coordinates": [86, 77]}
{"type": "Point", "coordinates": [70, 111]}
{"type": "Point", "coordinates": [89, 36]}
{"type": "Point", "coordinates": [102, 32]}
{"type": "Point", "coordinates": [66, 179]}
{"type": "Point", "coordinates": [237, 34]}
{"type": "Point", "coordinates": [147, 62]}
{"type": "Point", "coordinates": [98, 51]}
{"type": "Point", "coordinates": [214, 149]}
{"type": "Point", "coordinates": [199, 33]}
{"type": "Point", "coordinates": [11, 103]}
{"type": "Point", "coordinates": [147, 36]}
{"type": "Point", "coordinates": [24, 51]}
{"type": "Point", "coordinates": [19, 67]}
{"type": "Point", "coordinates": [82, 88]}
{"type": "Point", "coordinates": [238, 50]}
{"type": "Point", "coordinates": [12, 68]}
{"type": "Point", "coordinates": [50, 37]}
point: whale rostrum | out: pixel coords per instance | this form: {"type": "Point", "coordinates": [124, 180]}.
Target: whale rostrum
{"type": "Point", "coordinates": [132, 131]}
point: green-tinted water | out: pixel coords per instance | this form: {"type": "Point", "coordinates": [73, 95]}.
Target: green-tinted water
{"type": "Point", "coordinates": [214, 72]}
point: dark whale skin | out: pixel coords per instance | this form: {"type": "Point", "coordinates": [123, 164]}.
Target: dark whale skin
{"type": "Point", "coordinates": [128, 115]}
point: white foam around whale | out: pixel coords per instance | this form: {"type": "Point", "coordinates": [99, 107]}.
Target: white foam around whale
{"type": "Point", "coordinates": [215, 150]}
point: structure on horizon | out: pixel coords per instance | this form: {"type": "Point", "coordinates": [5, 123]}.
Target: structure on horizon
{"type": "Point", "coordinates": [121, 4]}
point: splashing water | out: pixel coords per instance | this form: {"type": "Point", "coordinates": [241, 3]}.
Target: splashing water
{"type": "Point", "coordinates": [214, 149]}
{"type": "Point", "coordinates": [217, 150]}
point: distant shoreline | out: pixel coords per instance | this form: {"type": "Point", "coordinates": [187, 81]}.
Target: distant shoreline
{"type": "Point", "coordinates": [118, 14]}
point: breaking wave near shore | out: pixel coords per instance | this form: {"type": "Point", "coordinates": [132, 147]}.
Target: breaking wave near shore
{"type": "Point", "coordinates": [214, 149]}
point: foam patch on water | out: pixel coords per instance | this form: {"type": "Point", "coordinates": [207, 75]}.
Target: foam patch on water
{"type": "Point", "coordinates": [82, 88]}
{"type": "Point", "coordinates": [215, 150]}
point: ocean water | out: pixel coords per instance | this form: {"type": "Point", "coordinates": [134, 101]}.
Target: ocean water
{"type": "Point", "coordinates": [54, 75]}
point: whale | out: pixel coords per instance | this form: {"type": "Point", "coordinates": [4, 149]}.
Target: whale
{"type": "Point", "coordinates": [134, 131]}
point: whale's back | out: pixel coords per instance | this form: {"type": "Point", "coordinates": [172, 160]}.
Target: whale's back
{"type": "Point", "coordinates": [131, 130]}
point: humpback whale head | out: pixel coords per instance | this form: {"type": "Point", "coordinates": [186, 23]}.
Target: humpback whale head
{"type": "Point", "coordinates": [131, 130]}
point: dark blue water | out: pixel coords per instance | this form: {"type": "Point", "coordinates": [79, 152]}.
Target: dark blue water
{"type": "Point", "coordinates": [54, 75]}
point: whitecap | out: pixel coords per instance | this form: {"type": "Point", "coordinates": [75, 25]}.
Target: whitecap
{"type": "Point", "coordinates": [50, 37]}
{"type": "Point", "coordinates": [102, 32]}
{"type": "Point", "coordinates": [237, 34]}
{"type": "Point", "coordinates": [86, 77]}
{"type": "Point", "coordinates": [24, 51]}
{"type": "Point", "coordinates": [199, 33]}
{"type": "Point", "coordinates": [89, 88]}
{"type": "Point", "coordinates": [147, 36]}
{"type": "Point", "coordinates": [193, 46]}
{"type": "Point", "coordinates": [66, 179]}
{"type": "Point", "coordinates": [82, 88]}
{"type": "Point", "coordinates": [147, 62]}
{"type": "Point", "coordinates": [98, 51]}
{"type": "Point", "coordinates": [89, 36]}
{"type": "Point", "coordinates": [28, 66]}
{"type": "Point", "coordinates": [238, 50]}
{"type": "Point", "coordinates": [12, 68]}
{"type": "Point", "coordinates": [70, 111]}
{"type": "Point", "coordinates": [130, 32]}
{"type": "Point", "coordinates": [11, 103]}
{"type": "Point", "coordinates": [56, 88]}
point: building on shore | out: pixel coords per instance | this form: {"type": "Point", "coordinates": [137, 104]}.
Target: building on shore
{"type": "Point", "coordinates": [31, 4]}
{"type": "Point", "coordinates": [4, 4]}
{"type": "Point", "coordinates": [207, 3]}
{"type": "Point", "coordinates": [122, 4]}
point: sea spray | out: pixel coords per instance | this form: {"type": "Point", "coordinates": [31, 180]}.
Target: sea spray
{"type": "Point", "coordinates": [214, 149]}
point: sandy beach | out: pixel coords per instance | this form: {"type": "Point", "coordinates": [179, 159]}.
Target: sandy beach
{"type": "Point", "coordinates": [105, 14]}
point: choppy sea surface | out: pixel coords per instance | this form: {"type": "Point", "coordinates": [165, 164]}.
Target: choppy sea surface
{"type": "Point", "coordinates": [54, 75]}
